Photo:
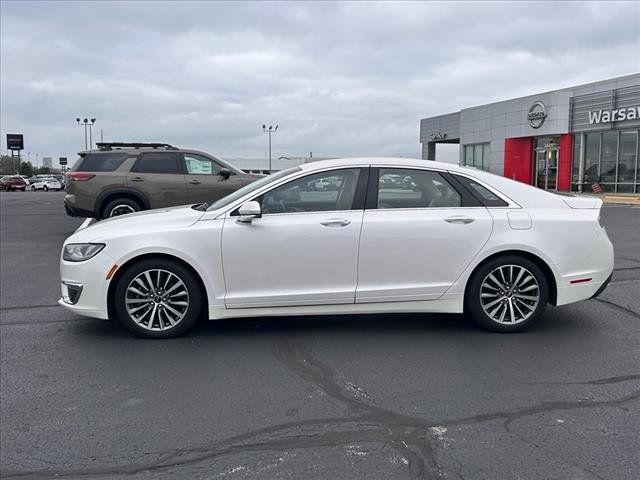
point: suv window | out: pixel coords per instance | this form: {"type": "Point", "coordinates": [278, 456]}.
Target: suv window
{"type": "Point", "coordinates": [102, 162]}
{"type": "Point", "coordinates": [319, 192]}
{"type": "Point", "coordinates": [409, 188]}
{"type": "Point", "coordinates": [158, 162]}
{"type": "Point", "coordinates": [199, 165]}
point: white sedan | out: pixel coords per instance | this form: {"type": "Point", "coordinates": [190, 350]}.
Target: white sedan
{"type": "Point", "coordinates": [46, 184]}
{"type": "Point", "coordinates": [448, 239]}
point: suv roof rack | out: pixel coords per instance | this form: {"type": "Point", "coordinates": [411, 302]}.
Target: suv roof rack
{"type": "Point", "coordinates": [111, 145]}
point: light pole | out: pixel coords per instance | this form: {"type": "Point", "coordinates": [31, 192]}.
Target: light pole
{"type": "Point", "coordinates": [269, 130]}
{"type": "Point", "coordinates": [87, 123]}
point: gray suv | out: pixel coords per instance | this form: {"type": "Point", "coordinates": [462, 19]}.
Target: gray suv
{"type": "Point", "coordinates": [120, 178]}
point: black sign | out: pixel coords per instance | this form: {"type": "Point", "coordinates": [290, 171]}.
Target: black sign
{"type": "Point", "coordinates": [15, 141]}
{"type": "Point", "coordinates": [63, 160]}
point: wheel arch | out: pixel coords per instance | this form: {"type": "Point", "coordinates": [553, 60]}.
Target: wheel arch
{"type": "Point", "coordinates": [542, 264]}
{"type": "Point", "coordinates": [146, 256]}
{"type": "Point", "coordinates": [108, 195]}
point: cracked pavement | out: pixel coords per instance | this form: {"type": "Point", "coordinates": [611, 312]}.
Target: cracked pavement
{"type": "Point", "coordinates": [386, 396]}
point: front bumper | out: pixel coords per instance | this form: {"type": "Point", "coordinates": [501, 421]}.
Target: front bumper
{"type": "Point", "coordinates": [86, 284]}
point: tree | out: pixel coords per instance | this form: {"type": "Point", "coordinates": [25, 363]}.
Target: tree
{"type": "Point", "coordinates": [7, 166]}
{"type": "Point", "coordinates": [26, 169]}
{"type": "Point", "coordinates": [42, 171]}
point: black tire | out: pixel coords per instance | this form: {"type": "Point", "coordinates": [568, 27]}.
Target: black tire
{"type": "Point", "coordinates": [45, 188]}
{"type": "Point", "coordinates": [33, 188]}
{"type": "Point", "coordinates": [191, 313]}
{"type": "Point", "coordinates": [120, 204]}
{"type": "Point", "coordinates": [23, 188]}
{"type": "Point", "coordinates": [473, 301]}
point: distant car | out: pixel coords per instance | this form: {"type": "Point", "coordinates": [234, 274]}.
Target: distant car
{"type": "Point", "coordinates": [121, 178]}
{"type": "Point", "coordinates": [46, 184]}
{"type": "Point", "coordinates": [26, 179]}
{"type": "Point", "coordinates": [13, 183]}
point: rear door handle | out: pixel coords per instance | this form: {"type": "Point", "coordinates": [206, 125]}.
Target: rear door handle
{"type": "Point", "coordinates": [335, 222]}
{"type": "Point", "coordinates": [459, 220]}
{"type": "Point", "coordinates": [195, 182]}
{"type": "Point", "coordinates": [137, 179]}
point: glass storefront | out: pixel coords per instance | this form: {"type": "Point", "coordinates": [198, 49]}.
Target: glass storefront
{"type": "Point", "coordinates": [610, 161]}
{"type": "Point", "coordinates": [547, 154]}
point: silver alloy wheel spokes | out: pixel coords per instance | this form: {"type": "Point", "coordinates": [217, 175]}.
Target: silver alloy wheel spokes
{"type": "Point", "coordinates": [157, 299]}
{"type": "Point", "coordinates": [509, 294]}
{"type": "Point", "coordinates": [121, 209]}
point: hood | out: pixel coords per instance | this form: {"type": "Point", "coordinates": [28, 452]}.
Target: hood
{"type": "Point", "coordinates": [148, 222]}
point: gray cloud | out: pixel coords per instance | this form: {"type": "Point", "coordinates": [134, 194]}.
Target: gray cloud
{"type": "Point", "coordinates": [339, 78]}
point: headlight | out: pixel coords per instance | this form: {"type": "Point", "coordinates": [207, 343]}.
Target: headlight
{"type": "Point", "coordinates": [79, 252]}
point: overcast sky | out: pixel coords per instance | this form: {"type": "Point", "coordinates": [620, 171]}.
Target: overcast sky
{"type": "Point", "coordinates": [339, 78]}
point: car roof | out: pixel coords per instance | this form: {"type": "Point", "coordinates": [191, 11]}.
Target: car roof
{"type": "Point", "coordinates": [381, 162]}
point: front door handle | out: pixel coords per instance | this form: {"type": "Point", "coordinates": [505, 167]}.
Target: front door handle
{"type": "Point", "coordinates": [195, 182]}
{"type": "Point", "coordinates": [335, 222]}
{"type": "Point", "coordinates": [137, 179]}
{"type": "Point", "coordinates": [459, 220]}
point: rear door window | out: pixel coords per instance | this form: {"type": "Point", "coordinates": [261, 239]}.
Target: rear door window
{"type": "Point", "coordinates": [409, 188]}
{"type": "Point", "coordinates": [102, 162]}
{"type": "Point", "coordinates": [158, 162]}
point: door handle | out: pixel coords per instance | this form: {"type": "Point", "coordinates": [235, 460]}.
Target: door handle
{"type": "Point", "coordinates": [459, 220]}
{"type": "Point", "coordinates": [137, 179]}
{"type": "Point", "coordinates": [336, 222]}
{"type": "Point", "coordinates": [195, 182]}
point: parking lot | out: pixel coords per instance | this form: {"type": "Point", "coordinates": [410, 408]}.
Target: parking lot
{"type": "Point", "coordinates": [384, 396]}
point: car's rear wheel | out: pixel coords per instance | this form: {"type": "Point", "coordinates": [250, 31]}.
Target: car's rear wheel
{"type": "Point", "coordinates": [507, 294]}
{"type": "Point", "coordinates": [23, 188]}
{"type": "Point", "coordinates": [158, 299]}
{"type": "Point", "coordinates": [33, 189]}
{"type": "Point", "coordinates": [120, 206]}
{"type": "Point", "coordinates": [45, 188]}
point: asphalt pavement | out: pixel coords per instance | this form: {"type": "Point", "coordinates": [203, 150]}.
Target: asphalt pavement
{"type": "Point", "coordinates": [366, 396]}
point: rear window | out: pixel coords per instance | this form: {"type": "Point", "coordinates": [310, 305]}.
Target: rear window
{"type": "Point", "coordinates": [486, 196]}
{"type": "Point", "coordinates": [160, 162]}
{"type": "Point", "coordinates": [102, 162]}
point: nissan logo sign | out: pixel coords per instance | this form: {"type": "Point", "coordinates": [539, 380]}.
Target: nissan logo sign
{"type": "Point", "coordinates": [537, 115]}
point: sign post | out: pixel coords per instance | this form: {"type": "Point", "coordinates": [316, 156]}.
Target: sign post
{"type": "Point", "coordinates": [15, 142]}
{"type": "Point", "coordinates": [63, 164]}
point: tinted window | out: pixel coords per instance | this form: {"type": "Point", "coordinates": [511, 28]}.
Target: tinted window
{"type": "Point", "coordinates": [102, 162]}
{"type": "Point", "coordinates": [158, 162]}
{"type": "Point", "coordinates": [326, 191]}
{"type": "Point", "coordinates": [407, 188]}
{"type": "Point", "coordinates": [199, 165]}
{"type": "Point", "coordinates": [487, 197]}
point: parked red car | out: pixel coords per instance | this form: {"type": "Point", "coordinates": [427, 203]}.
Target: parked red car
{"type": "Point", "coordinates": [12, 183]}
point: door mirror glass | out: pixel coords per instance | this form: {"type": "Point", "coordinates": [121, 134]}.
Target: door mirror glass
{"type": "Point", "coordinates": [248, 211]}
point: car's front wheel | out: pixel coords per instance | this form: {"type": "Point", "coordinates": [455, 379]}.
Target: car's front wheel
{"type": "Point", "coordinates": [45, 188]}
{"type": "Point", "coordinates": [158, 298]}
{"type": "Point", "coordinates": [33, 189]}
{"type": "Point", "coordinates": [507, 294]}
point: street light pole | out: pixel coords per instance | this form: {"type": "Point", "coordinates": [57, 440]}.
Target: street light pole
{"type": "Point", "coordinates": [86, 124]}
{"type": "Point", "coordinates": [269, 131]}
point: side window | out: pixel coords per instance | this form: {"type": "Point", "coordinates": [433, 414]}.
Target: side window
{"type": "Point", "coordinates": [408, 188]}
{"type": "Point", "coordinates": [102, 162]}
{"type": "Point", "coordinates": [158, 162]}
{"type": "Point", "coordinates": [199, 165]}
{"type": "Point", "coordinates": [486, 196]}
{"type": "Point", "coordinates": [319, 192]}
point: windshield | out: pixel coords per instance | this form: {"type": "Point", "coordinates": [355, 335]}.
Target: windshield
{"type": "Point", "coordinates": [224, 201]}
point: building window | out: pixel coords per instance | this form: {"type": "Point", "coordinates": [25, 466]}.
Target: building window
{"type": "Point", "coordinates": [575, 166]}
{"type": "Point", "coordinates": [611, 159]}
{"type": "Point", "coordinates": [477, 155]}
{"type": "Point", "coordinates": [627, 161]}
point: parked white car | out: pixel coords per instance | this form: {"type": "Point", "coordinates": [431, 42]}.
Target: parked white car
{"type": "Point", "coordinates": [46, 184]}
{"type": "Point", "coordinates": [447, 239]}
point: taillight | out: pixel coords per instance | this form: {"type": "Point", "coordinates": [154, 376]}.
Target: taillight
{"type": "Point", "coordinates": [80, 176]}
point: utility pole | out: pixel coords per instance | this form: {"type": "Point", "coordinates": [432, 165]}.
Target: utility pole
{"type": "Point", "coordinates": [269, 131]}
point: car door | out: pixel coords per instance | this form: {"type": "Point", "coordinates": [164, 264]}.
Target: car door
{"type": "Point", "coordinates": [160, 177]}
{"type": "Point", "coordinates": [418, 235]}
{"type": "Point", "coordinates": [304, 248]}
{"type": "Point", "coordinates": [204, 182]}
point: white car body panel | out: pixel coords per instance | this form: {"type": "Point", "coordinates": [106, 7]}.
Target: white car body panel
{"type": "Point", "coordinates": [50, 184]}
{"type": "Point", "coordinates": [395, 260]}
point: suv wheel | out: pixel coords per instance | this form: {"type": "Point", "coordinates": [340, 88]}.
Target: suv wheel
{"type": "Point", "coordinates": [158, 298]}
{"type": "Point", "coordinates": [33, 189]}
{"type": "Point", "coordinates": [507, 294]}
{"type": "Point", "coordinates": [120, 206]}
{"type": "Point", "coordinates": [45, 188]}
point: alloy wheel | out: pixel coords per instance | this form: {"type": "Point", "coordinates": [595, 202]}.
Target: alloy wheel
{"type": "Point", "coordinates": [157, 299]}
{"type": "Point", "coordinates": [509, 294]}
{"type": "Point", "coordinates": [121, 209]}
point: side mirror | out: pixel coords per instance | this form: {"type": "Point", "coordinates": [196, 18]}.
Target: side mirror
{"type": "Point", "coordinates": [248, 211]}
{"type": "Point", "coordinates": [224, 173]}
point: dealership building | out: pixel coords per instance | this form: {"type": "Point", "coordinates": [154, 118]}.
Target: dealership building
{"type": "Point", "coordinates": [582, 138]}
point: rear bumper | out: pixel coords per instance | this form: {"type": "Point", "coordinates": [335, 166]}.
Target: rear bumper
{"type": "Point", "coordinates": [74, 211]}
{"type": "Point", "coordinates": [602, 287]}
